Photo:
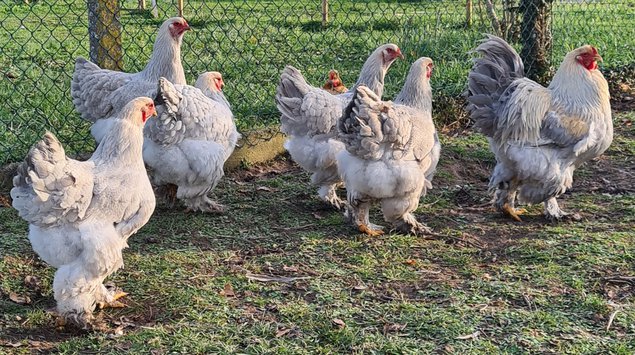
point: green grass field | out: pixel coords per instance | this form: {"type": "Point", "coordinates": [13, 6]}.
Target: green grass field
{"type": "Point", "coordinates": [485, 285]}
{"type": "Point", "coordinates": [251, 41]}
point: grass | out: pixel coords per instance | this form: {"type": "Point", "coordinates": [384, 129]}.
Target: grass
{"type": "Point", "coordinates": [487, 285]}
{"type": "Point", "coordinates": [251, 41]}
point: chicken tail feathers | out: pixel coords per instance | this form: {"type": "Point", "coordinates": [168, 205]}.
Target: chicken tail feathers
{"type": "Point", "coordinates": [289, 95]}
{"type": "Point", "coordinates": [167, 128]}
{"type": "Point", "coordinates": [360, 127]}
{"type": "Point", "coordinates": [46, 189]}
{"type": "Point", "coordinates": [491, 75]}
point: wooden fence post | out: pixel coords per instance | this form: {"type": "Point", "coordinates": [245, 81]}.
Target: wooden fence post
{"type": "Point", "coordinates": [535, 36]}
{"type": "Point", "coordinates": [104, 30]}
{"type": "Point", "coordinates": [468, 13]}
{"type": "Point", "coordinates": [142, 4]}
{"type": "Point", "coordinates": [180, 8]}
{"type": "Point", "coordinates": [325, 12]}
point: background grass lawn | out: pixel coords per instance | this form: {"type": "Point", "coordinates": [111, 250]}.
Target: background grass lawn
{"type": "Point", "coordinates": [251, 41]}
{"type": "Point", "coordinates": [486, 285]}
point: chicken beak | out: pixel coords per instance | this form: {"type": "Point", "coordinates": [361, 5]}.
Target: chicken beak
{"type": "Point", "coordinates": [400, 55]}
{"type": "Point", "coordinates": [598, 58]}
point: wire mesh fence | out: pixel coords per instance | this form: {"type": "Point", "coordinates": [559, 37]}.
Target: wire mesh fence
{"type": "Point", "coordinates": [250, 41]}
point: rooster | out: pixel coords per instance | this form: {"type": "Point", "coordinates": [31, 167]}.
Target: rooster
{"type": "Point", "coordinates": [81, 214]}
{"type": "Point", "coordinates": [309, 116]}
{"type": "Point", "coordinates": [390, 149]}
{"type": "Point", "coordinates": [334, 84]}
{"type": "Point", "coordinates": [539, 135]}
{"type": "Point", "coordinates": [98, 93]}
{"type": "Point", "coordinates": [187, 145]}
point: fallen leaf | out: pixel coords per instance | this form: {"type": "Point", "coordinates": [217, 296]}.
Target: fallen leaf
{"type": "Point", "coordinates": [282, 332]}
{"type": "Point", "coordinates": [317, 215]}
{"type": "Point", "coordinates": [290, 268]}
{"type": "Point", "coordinates": [13, 345]}
{"type": "Point", "coordinates": [19, 299]}
{"type": "Point", "coordinates": [273, 278]}
{"type": "Point", "coordinates": [469, 336]}
{"type": "Point", "coordinates": [394, 327]}
{"type": "Point", "coordinates": [410, 262]}
{"type": "Point", "coordinates": [340, 323]}
{"type": "Point", "coordinates": [228, 291]}
{"type": "Point", "coordinates": [265, 188]}
{"type": "Point", "coordinates": [359, 287]}
{"type": "Point", "coordinates": [32, 281]}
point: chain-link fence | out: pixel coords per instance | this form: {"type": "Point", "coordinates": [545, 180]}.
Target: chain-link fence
{"type": "Point", "coordinates": [250, 41]}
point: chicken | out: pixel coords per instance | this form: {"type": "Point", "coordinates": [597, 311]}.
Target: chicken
{"type": "Point", "coordinates": [212, 84]}
{"type": "Point", "coordinates": [390, 147]}
{"type": "Point", "coordinates": [334, 84]}
{"type": "Point", "coordinates": [188, 144]}
{"type": "Point", "coordinates": [539, 135]}
{"type": "Point", "coordinates": [98, 93]}
{"type": "Point", "coordinates": [81, 214]}
{"type": "Point", "coordinates": [309, 117]}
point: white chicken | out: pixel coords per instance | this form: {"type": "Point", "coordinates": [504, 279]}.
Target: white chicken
{"type": "Point", "coordinates": [390, 148]}
{"type": "Point", "coordinates": [98, 93]}
{"type": "Point", "coordinates": [309, 117]}
{"type": "Point", "coordinates": [81, 214]}
{"type": "Point", "coordinates": [189, 142]}
{"type": "Point", "coordinates": [539, 135]}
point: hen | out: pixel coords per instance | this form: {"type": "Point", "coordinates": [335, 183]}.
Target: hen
{"type": "Point", "coordinates": [81, 214]}
{"type": "Point", "coordinates": [309, 117]}
{"type": "Point", "coordinates": [390, 148]}
{"type": "Point", "coordinates": [189, 142]}
{"type": "Point", "coordinates": [334, 84]}
{"type": "Point", "coordinates": [98, 93]}
{"type": "Point", "coordinates": [539, 135]}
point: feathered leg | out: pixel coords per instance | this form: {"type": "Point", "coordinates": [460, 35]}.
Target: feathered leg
{"type": "Point", "coordinates": [328, 194]}
{"type": "Point", "coordinates": [203, 204]}
{"type": "Point", "coordinates": [398, 211]}
{"type": "Point", "coordinates": [505, 199]}
{"type": "Point", "coordinates": [554, 213]}
{"type": "Point", "coordinates": [78, 285]}
{"type": "Point", "coordinates": [357, 211]}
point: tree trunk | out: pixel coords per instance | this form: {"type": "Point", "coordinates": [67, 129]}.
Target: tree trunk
{"type": "Point", "coordinates": [536, 37]}
{"type": "Point", "coordinates": [104, 30]}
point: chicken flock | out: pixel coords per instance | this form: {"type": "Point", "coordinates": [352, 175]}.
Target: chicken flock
{"type": "Point", "coordinates": [158, 135]}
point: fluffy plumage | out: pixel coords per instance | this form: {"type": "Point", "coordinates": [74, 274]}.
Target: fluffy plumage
{"type": "Point", "coordinates": [309, 116]}
{"type": "Point", "coordinates": [99, 93]}
{"type": "Point", "coordinates": [390, 147]}
{"type": "Point", "coordinates": [539, 135]}
{"type": "Point", "coordinates": [81, 214]}
{"type": "Point", "coordinates": [189, 142]}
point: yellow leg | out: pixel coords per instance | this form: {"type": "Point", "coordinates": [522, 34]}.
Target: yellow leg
{"type": "Point", "coordinates": [114, 303]}
{"type": "Point", "coordinates": [513, 212]}
{"type": "Point", "coordinates": [367, 230]}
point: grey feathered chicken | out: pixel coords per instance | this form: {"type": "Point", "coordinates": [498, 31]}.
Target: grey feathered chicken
{"type": "Point", "coordinates": [539, 135]}
{"type": "Point", "coordinates": [189, 142]}
{"type": "Point", "coordinates": [99, 93]}
{"type": "Point", "coordinates": [81, 214]}
{"type": "Point", "coordinates": [309, 117]}
{"type": "Point", "coordinates": [390, 148]}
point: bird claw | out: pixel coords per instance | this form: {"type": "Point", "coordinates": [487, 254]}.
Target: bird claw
{"type": "Point", "coordinates": [114, 303]}
{"type": "Point", "coordinates": [563, 216]}
{"type": "Point", "coordinates": [370, 230]}
{"type": "Point", "coordinates": [513, 212]}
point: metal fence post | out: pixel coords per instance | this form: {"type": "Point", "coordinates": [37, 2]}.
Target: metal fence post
{"type": "Point", "coordinates": [536, 37]}
{"type": "Point", "coordinates": [104, 30]}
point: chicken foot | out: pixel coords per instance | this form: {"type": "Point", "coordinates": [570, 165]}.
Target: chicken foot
{"type": "Point", "coordinates": [357, 212]}
{"type": "Point", "coordinates": [109, 298]}
{"type": "Point", "coordinates": [505, 200]}
{"type": "Point", "coordinates": [328, 194]}
{"type": "Point", "coordinates": [203, 204]}
{"type": "Point", "coordinates": [408, 224]}
{"type": "Point", "coordinates": [554, 213]}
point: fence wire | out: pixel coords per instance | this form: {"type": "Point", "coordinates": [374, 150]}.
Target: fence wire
{"type": "Point", "coordinates": [250, 42]}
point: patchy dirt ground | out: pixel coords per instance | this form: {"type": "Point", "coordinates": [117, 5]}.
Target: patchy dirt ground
{"type": "Point", "coordinates": [281, 272]}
